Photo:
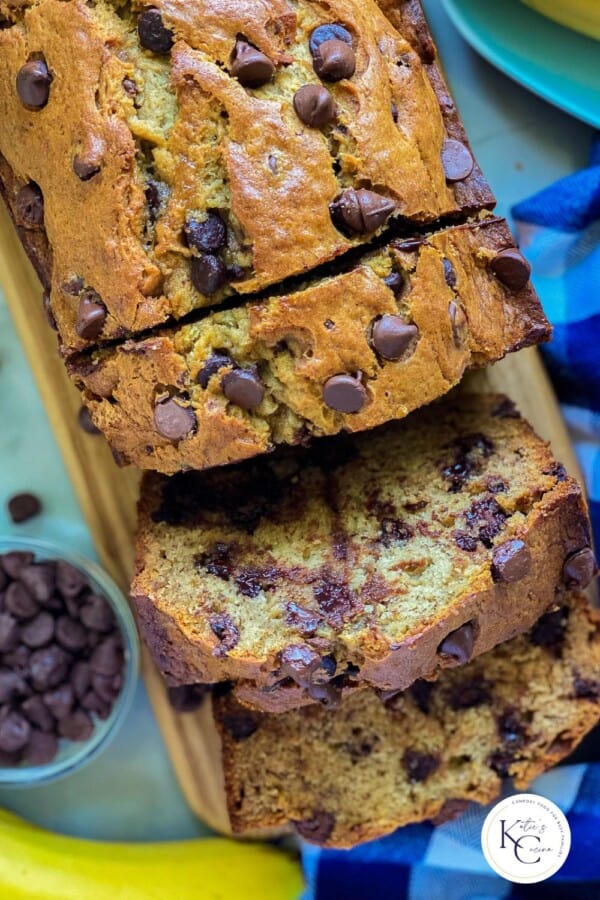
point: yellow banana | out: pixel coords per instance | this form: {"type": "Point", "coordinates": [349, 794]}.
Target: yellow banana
{"type": "Point", "coordinates": [38, 865]}
{"type": "Point", "coordinates": [581, 15]}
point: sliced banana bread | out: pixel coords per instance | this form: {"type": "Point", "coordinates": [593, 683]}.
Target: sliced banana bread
{"type": "Point", "coordinates": [344, 353]}
{"type": "Point", "coordinates": [177, 151]}
{"type": "Point", "coordinates": [375, 559]}
{"type": "Point", "coordinates": [360, 772]}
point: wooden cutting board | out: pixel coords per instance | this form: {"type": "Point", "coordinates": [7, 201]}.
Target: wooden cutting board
{"type": "Point", "coordinates": [107, 496]}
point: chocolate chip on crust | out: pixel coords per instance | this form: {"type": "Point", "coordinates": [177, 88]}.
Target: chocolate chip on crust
{"type": "Point", "coordinates": [318, 828]}
{"type": "Point", "coordinates": [459, 643]}
{"type": "Point", "coordinates": [174, 419]}
{"type": "Point", "coordinates": [250, 66]}
{"type": "Point", "coordinates": [511, 268]}
{"type": "Point", "coordinates": [33, 84]}
{"type": "Point", "coordinates": [511, 561]}
{"type": "Point", "coordinates": [30, 205]}
{"type": "Point", "coordinates": [579, 568]}
{"type": "Point", "coordinates": [152, 32]}
{"type": "Point", "coordinates": [457, 160]}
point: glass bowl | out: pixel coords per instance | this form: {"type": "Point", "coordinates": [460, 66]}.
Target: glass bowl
{"type": "Point", "coordinates": [72, 755]}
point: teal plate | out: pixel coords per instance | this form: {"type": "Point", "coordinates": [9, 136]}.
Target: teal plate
{"type": "Point", "coordinates": [560, 65]}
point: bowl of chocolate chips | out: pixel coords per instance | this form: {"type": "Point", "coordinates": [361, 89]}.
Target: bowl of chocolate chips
{"type": "Point", "coordinates": [69, 658]}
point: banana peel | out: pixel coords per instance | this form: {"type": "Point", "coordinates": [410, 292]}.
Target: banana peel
{"type": "Point", "coordinates": [580, 15]}
{"type": "Point", "coordinates": [36, 864]}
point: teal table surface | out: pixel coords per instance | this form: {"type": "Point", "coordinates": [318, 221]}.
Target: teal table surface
{"type": "Point", "coordinates": [130, 792]}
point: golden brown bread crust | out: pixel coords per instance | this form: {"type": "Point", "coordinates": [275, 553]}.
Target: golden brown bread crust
{"type": "Point", "coordinates": [366, 543]}
{"type": "Point", "coordinates": [358, 773]}
{"type": "Point", "coordinates": [300, 340]}
{"type": "Point", "coordinates": [178, 120]}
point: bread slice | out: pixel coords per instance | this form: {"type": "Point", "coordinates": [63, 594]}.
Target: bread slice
{"type": "Point", "coordinates": [187, 113]}
{"type": "Point", "coordinates": [360, 772]}
{"type": "Point", "coordinates": [376, 559]}
{"type": "Point", "coordinates": [344, 353]}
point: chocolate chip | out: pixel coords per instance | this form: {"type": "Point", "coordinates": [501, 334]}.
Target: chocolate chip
{"type": "Point", "coordinates": [70, 634]}
{"type": "Point", "coordinates": [391, 337]}
{"type": "Point", "coordinates": [81, 678]}
{"type": "Point", "coordinates": [511, 268]}
{"type": "Point", "coordinates": [76, 727]}
{"type": "Point", "coordinates": [298, 661]}
{"type": "Point", "coordinates": [213, 364]}
{"type": "Point", "coordinates": [22, 507]}
{"type": "Point", "coordinates": [91, 316]}
{"type": "Point", "coordinates": [459, 644]}
{"type": "Point", "coordinates": [157, 194]}
{"type": "Point", "coordinates": [48, 667]}
{"type": "Point", "coordinates": [511, 561]}
{"type": "Point", "coordinates": [512, 729]}
{"type": "Point", "coordinates": [419, 766]}
{"type": "Point", "coordinates": [224, 629]}
{"type": "Point", "coordinates": [314, 105]}
{"type": "Point", "coordinates": [207, 236]}
{"type": "Point", "coordinates": [579, 568]}
{"type": "Point", "coordinates": [306, 621]}
{"type": "Point", "coordinates": [471, 693]}
{"type": "Point", "coordinates": [152, 32]}
{"type": "Point", "coordinates": [345, 394]}
{"type": "Point", "coordinates": [456, 161]}
{"type": "Point", "coordinates": [216, 560]}
{"type": "Point", "coordinates": [39, 631]}
{"type": "Point", "coordinates": [12, 685]}
{"type": "Point", "coordinates": [130, 87]}
{"type": "Point", "coordinates": [549, 631]}
{"type": "Point", "coordinates": [241, 724]}
{"type": "Point", "coordinates": [251, 67]}
{"type": "Point", "coordinates": [33, 84]}
{"type": "Point", "coordinates": [500, 761]}
{"type": "Point", "coordinates": [30, 205]}
{"type": "Point", "coordinates": [173, 420]}
{"type": "Point", "coordinates": [394, 531]}
{"type": "Point", "coordinates": [330, 32]}
{"type": "Point", "coordinates": [9, 632]}
{"type": "Point", "coordinates": [40, 580]}
{"type": "Point", "coordinates": [318, 828]}
{"type": "Point", "coordinates": [449, 273]}
{"type": "Point", "coordinates": [41, 748]}
{"type": "Point", "coordinates": [85, 169]}
{"type": "Point", "coordinates": [458, 321]}
{"type": "Point", "coordinates": [59, 701]}
{"type": "Point", "coordinates": [208, 273]}
{"type": "Point", "coordinates": [394, 281]}
{"type": "Point", "coordinates": [84, 418]}
{"type": "Point", "coordinates": [107, 658]}
{"type": "Point", "coordinates": [361, 211]}
{"type": "Point", "coordinates": [37, 713]}
{"type": "Point", "coordinates": [466, 542]}
{"type": "Point", "coordinates": [586, 688]}
{"type": "Point", "coordinates": [15, 561]}
{"type": "Point", "coordinates": [244, 388]}
{"type": "Point", "coordinates": [336, 601]}
{"type": "Point", "coordinates": [18, 659]}
{"type": "Point", "coordinates": [93, 703]}
{"type": "Point", "coordinates": [70, 581]}
{"type": "Point", "coordinates": [107, 687]}
{"type": "Point", "coordinates": [15, 731]}
{"type": "Point", "coordinates": [19, 601]}
{"type": "Point", "coordinates": [334, 60]}
{"type": "Point", "coordinates": [47, 307]}
{"type": "Point", "coordinates": [187, 698]}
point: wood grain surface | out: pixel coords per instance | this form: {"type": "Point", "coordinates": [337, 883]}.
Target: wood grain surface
{"type": "Point", "coordinates": [107, 496]}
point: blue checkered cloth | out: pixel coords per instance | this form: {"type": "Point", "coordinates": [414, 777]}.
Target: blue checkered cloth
{"type": "Point", "coordinates": [559, 232]}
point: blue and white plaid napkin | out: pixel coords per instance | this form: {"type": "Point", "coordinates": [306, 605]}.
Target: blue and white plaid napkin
{"type": "Point", "coordinates": [559, 232]}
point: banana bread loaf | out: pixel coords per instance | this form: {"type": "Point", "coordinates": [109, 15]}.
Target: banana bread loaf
{"type": "Point", "coordinates": [360, 772]}
{"type": "Point", "coordinates": [375, 559]}
{"type": "Point", "coordinates": [177, 151]}
{"type": "Point", "coordinates": [347, 352]}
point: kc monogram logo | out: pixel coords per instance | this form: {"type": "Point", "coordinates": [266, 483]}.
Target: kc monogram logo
{"type": "Point", "coordinates": [525, 838]}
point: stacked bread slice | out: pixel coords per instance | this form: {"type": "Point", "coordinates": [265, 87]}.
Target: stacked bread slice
{"type": "Point", "coordinates": [260, 227]}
